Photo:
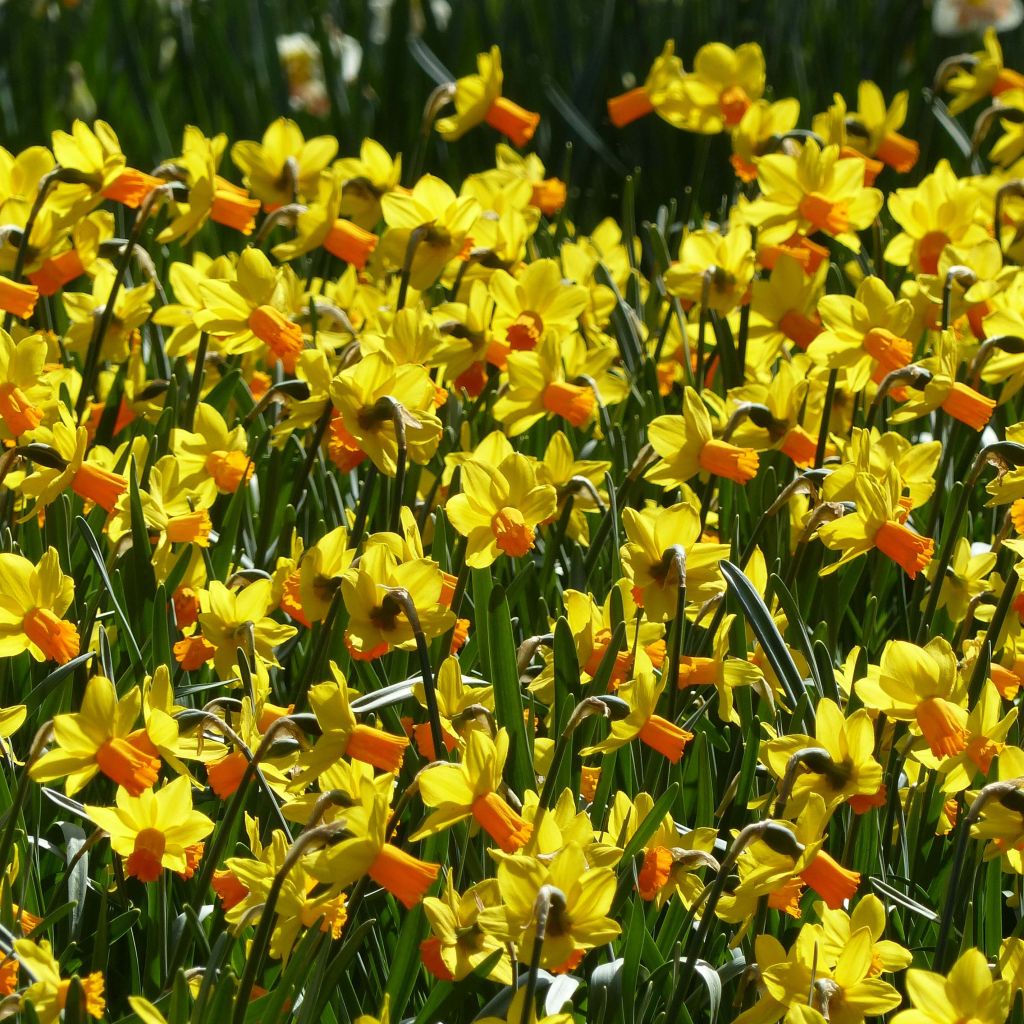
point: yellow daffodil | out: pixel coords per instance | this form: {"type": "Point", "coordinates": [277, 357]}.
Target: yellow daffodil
{"type": "Point", "coordinates": [818, 191]}
{"type": "Point", "coordinates": [157, 829]}
{"type": "Point", "coordinates": [472, 789]}
{"type": "Point", "coordinates": [48, 992]}
{"type": "Point", "coordinates": [968, 991]}
{"type": "Point", "coordinates": [714, 267]}
{"type": "Point", "coordinates": [33, 602]}
{"type": "Point", "coordinates": [499, 508]}
{"type": "Point", "coordinates": [284, 166]}
{"type": "Point", "coordinates": [687, 447]}
{"type": "Point", "coordinates": [478, 98]}
{"type": "Point", "coordinates": [877, 523]}
{"type": "Point", "coordinates": [661, 93]}
{"type": "Point", "coordinates": [458, 944]}
{"type": "Point", "coordinates": [921, 685]}
{"type": "Point", "coordinates": [641, 722]}
{"type": "Point", "coordinates": [848, 772]}
{"type": "Point", "coordinates": [365, 396]}
{"type": "Point", "coordinates": [440, 222]}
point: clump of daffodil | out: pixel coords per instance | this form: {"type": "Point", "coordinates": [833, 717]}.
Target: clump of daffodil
{"type": "Point", "coordinates": [155, 830]}
{"type": "Point", "coordinates": [687, 447]}
{"type": "Point", "coordinates": [499, 508]}
{"type": "Point", "coordinates": [819, 190]}
{"type": "Point", "coordinates": [478, 98]}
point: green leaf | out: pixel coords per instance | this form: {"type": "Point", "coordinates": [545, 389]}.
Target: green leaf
{"type": "Point", "coordinates": [498, 651]}
{"type": "Point", "coordinates": [767, 633]}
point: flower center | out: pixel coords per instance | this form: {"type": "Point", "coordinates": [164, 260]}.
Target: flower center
{"type": "Point", "coordinates": [511, 533]}
{"type": "Point", "coordinates": [146, 860]}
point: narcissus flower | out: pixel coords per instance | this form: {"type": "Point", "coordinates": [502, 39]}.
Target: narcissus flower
{"type": "Point", "coordinates": [459, 944]}
{"type": "Point", "coordinates": [100, 737]}
{"type": "Point", "coordinates": [33, 601]}
{"type": "Point", "coordinates": [441, 222]}
{"type": "Point", "coordinates": [941, 210]}
{"type": "Point", "coordinates": [944, 391]}
{"type": "Point", "coordinates": [653, 538]}
{"type": "Point", "coordinates": [499, 508]}
{"type": "Point", "coordinates": [661, 93]}
{"type": "Point", "coordinates": [761, 121]}
{"type": "Point", "coordinates": [864, 334]}
{"type": "Point", "coordinates": [366, 396]}
{"type": "Point", "coordinates": [284, 166]}
{"type": "Point", "coordinates": [478, 98]}
{"type": "Point", "coordinates": [241, 619]}
{"type": "Point", "coordinates": [872, 130]}
{"type": "Point", "coordinates": [849, 769]}
{"type": "Point", "coordinates": [24, 387]}
{"type": "Point", "coordinates": [342, 736]}
{"type": "Point", "coordinates": [536, 302]}
{"type": "Point", "coordinates": [714, 267]}
{"type": "Point", "coordinates": [641, 722]}
{"type": "Point", "coordinates": [722, 86]}
{"type": "Point", "coordinates": [249, 314]}
{"type": "Point", "coordinates": [48, 993]}
{"type": "Point", "coordinates": [157, 829]}
{"type": "Point", "coordinates": [472, 789]}
{"type": "Point", "coordinates": [983, 75]}
{"type": "Point", "coordinates": [687, 447]}
{"type": "Point", "coordinates": [818, 191]}
{"type": "Point", "coordinates": [921, 685]}
{"type": "Point", "coordinates": [580, 899]}
{"type": "Point", "coordinates": [877, 523]}
{"type": "Point", "coordinates": [968, 992]}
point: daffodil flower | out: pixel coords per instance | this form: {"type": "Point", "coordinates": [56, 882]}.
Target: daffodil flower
{"type": "Point", "coordinates": [967, 992]}
{"type": "Point", "coordinates": [478, 98]}
{"type": "Point", "coordinates": [48, 993]}
{"type": "Point", "coordinates": [921, 685]}
{"type": "Point", "coordinates": [687, 447]}
{"type": "Point", "coordinates": [499, 508]}
{"type": "Point", "coordinates": [472, 789]}
{"type": "Point", "coordinates": [33, 602]}
{"type": "Point", "coordinates": [155, 830]}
